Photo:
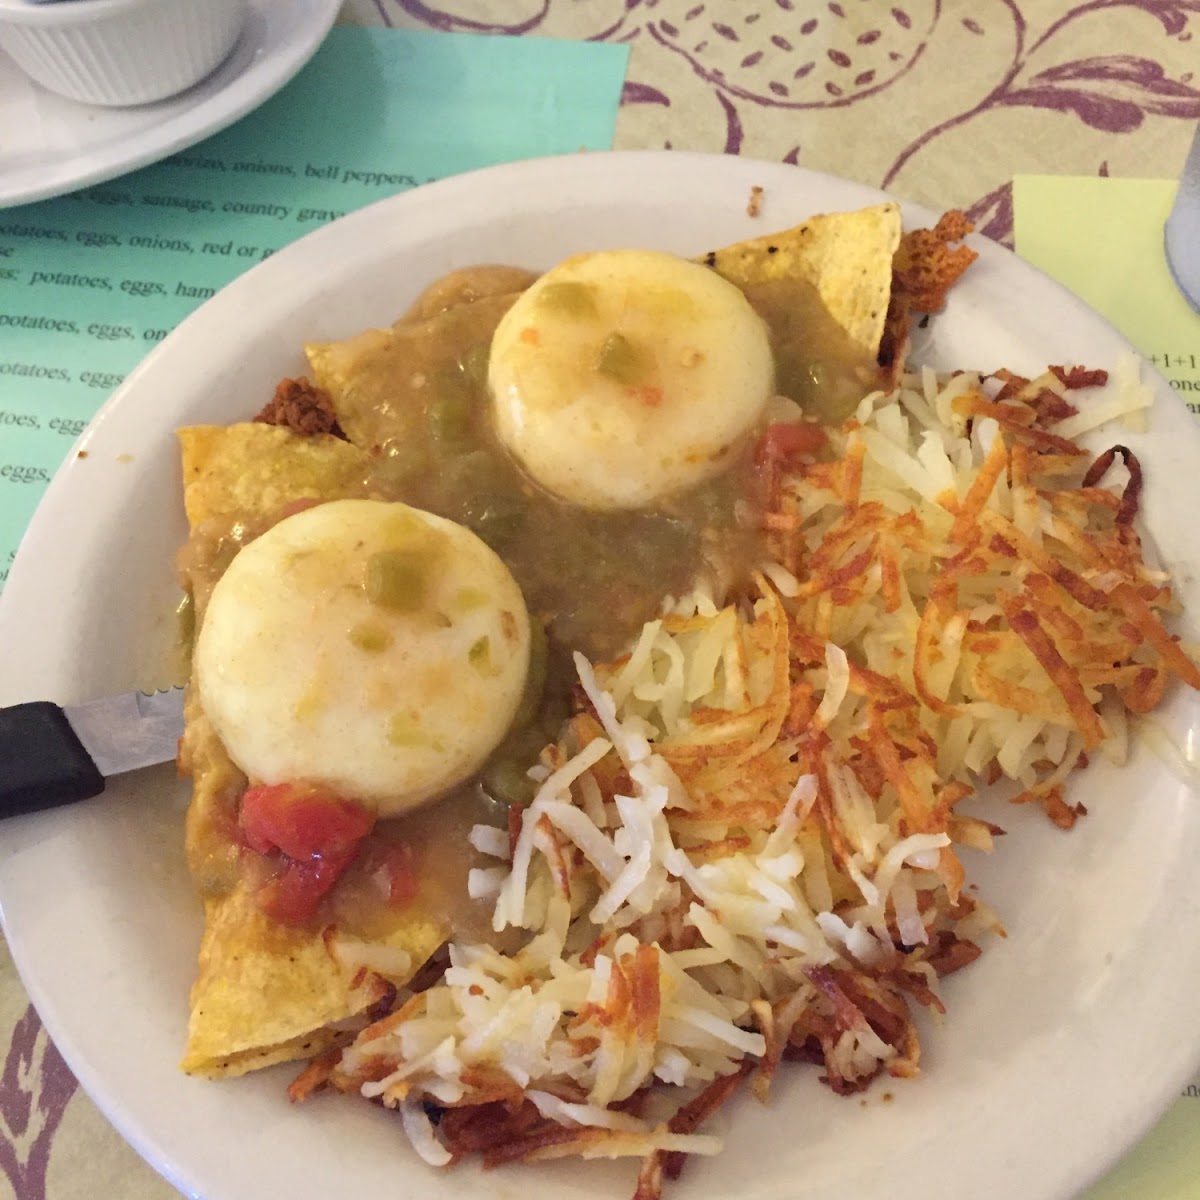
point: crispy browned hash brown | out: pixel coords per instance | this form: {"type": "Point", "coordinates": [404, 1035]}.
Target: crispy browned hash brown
{"type": "Point", "coordinates": [731, 822]}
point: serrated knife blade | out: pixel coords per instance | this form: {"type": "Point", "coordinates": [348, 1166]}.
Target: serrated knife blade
{"type": "Point", "coordinates": [52, 754]}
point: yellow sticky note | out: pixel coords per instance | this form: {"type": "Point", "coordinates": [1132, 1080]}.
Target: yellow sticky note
{"type": "Point", "coordinates": [1103, 238]}
{"type": "Point", "coordinates": [1165, 1164]}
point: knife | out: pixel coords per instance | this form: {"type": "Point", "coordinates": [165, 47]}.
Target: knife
{"type": "Point", "coordinates": [52, 755]}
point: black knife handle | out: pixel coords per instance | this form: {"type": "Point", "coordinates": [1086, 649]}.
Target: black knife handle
{"type": "Point", "coordinates": [42, 762]}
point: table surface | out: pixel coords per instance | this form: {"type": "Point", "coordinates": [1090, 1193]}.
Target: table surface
{"type": "Point", "coordinates": [938, 101]}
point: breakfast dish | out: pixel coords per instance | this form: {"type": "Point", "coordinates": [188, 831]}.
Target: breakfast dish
{"type": "Point", "coordinates": [593, 670]}
{"type": "Point", "coordinates": [1054, 1054]}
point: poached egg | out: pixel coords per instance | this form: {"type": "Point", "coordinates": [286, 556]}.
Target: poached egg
{"type": "Point", "coordinates": [365, 646]}
{"type": "Point", "coordinates": [622, 376]}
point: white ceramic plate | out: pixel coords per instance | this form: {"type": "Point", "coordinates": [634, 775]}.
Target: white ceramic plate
{"type": "Point", "coordinates": [50, 145]}
{"type": "Point", "coordinates": [1062, 1043]}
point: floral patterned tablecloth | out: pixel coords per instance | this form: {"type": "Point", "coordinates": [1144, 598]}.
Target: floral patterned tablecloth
{"type": "Point", "coordinates": [938, 101]}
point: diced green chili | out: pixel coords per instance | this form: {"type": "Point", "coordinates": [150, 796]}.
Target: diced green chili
{"type": "Point", "coordinates": [404, 730]}
{"type": "Point", "coordinates": [397, 579]}
{"type": "Point", "coordinates": [455, 390]}
{"type": "Point", "coordinates": [569, 297]}
{"type": "Point", "coordinates": [474, 365]}
{"type": "Point", "coordinates": [619, 359]}
{"type": "Point", "coordinates": [369, 638]}
{"type": "Point", "coordinates": [506, 781]}
{"type": "Point", "coordinates": [480, 655]}
{"type": "Point", "coordinates": [535, 679]}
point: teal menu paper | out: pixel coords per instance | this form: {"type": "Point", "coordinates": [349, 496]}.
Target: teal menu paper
{"type": "Point", "coordinates": [90, 282]}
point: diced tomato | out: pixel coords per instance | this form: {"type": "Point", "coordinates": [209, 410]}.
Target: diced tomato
{"type": "Point", "coordinates": [302, 821]}
{"type": "Point", "coordinates": [291, 896]}
{"type": "Point", "coordinates": [390, 867]}
{"type": "Point", "coordinates": [787, 438]}
{"type": "Point", "coordinates": [315, 835]}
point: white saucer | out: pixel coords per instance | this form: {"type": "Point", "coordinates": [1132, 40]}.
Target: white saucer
{"type": "Point", "coordinates": [49, 145]}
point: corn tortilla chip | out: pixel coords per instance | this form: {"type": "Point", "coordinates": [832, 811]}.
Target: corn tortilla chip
{"type": "Point", "coordinates": [265, 993]}
{"type": "Point", "coordinates": [847, 257]}
{"type": "Point", "coordinates": [250, 471]}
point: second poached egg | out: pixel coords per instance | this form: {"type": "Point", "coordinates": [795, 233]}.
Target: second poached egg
{"type": "Point", "coordinates": [622, 376]}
